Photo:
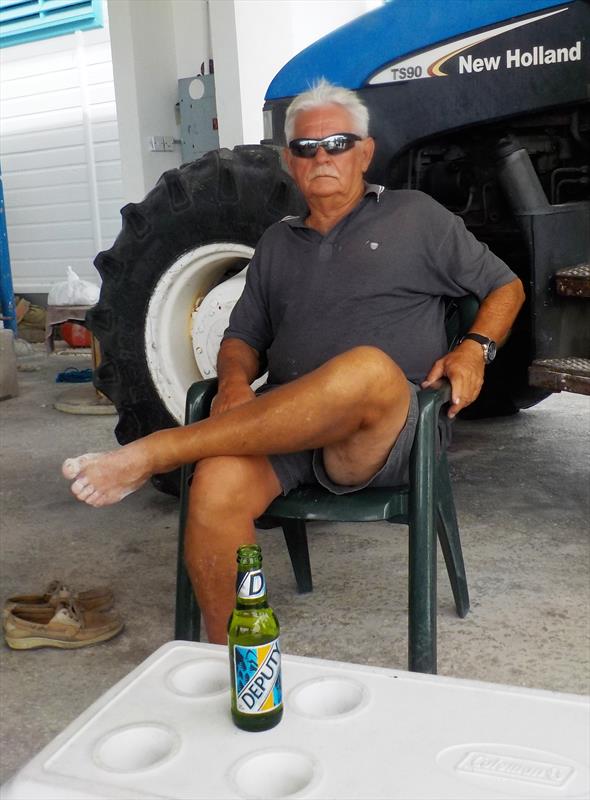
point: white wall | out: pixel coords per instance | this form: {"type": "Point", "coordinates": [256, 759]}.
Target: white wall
{"type": "Point", "coordinates": [155, 42]}
{"type": "Point", "coordinates": [191, 36]}
{"type": "Point", "coordinates": [60, 156]}
{"type": "Point", "coordinates": [229, 84]}
{"type": "Point", "coordinates": [145, 65]}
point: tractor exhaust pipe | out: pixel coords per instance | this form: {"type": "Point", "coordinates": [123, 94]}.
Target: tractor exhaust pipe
{"type": "Point", "coordinates": [518, 179]}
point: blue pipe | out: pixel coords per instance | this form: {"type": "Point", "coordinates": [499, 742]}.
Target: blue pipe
{"type": "Point", "coordinates": [6, 289]}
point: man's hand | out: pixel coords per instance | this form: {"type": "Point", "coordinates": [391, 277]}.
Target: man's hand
{"type": "Point", "coordinates": [464, 367]}
{"type": "Point", "coordinates": [230, 396]}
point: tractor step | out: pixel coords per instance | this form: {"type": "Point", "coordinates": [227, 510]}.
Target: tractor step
{"type": "Point", "coordinates": [561, 374]}
{"type": "Point", "coordinates": [573, 281]}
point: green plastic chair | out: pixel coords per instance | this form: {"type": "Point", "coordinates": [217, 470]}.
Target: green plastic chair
{"type": "Point", "coordinates": [425, 505]}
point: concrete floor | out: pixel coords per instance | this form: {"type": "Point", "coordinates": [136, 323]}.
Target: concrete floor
{"type": "Point", "coordinates": [522, 493]}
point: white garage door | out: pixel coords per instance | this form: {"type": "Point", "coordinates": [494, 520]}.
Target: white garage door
{"type": "Point", "coordinates": [59, 155]}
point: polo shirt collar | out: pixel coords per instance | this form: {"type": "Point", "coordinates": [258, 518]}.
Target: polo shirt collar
{"type": "Point", "coordinates": [370, 188]}
{"type": "Point", "coordinates": [374, 188]}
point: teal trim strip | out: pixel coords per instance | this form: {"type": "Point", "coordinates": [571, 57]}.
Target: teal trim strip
{"type": "Point", "coordinates": [24, 21]}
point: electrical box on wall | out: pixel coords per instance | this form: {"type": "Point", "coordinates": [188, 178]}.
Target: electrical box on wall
{"type": "Point", "coordinates": [198, 116]}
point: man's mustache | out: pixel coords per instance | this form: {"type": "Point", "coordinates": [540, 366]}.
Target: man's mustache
{"type": "Point", "coordinates": [322, 172]}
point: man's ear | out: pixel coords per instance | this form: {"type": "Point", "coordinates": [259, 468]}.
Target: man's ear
{"type": "Point", "coordinates": [288, 158]}
{"type": "Point", "coordinates": [368, 151]}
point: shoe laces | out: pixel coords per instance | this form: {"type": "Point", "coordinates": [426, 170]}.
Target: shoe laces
{"type": "Point", "coordinates": [57, 587]}
{"type": "Point", "coordinates": [72, 610]}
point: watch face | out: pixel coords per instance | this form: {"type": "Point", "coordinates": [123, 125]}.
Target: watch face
{"type": "Point", "coordinates": [491, 354]}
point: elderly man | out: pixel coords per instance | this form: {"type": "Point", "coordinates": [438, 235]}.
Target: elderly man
{"type": "Point", "coordinates": [345, 306]}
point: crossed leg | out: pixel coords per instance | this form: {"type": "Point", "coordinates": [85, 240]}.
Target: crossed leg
{"type": "Point", "coordinates": [353, 406]}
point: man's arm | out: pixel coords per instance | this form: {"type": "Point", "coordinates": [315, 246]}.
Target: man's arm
{"type": "Point", "coordinates": [238, 365]}
{"type": "Point", "coordinates": [464, 366]}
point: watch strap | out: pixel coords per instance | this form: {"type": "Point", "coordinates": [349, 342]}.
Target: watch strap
{"type": "Point", "coordinates": [477, 337]}
{"type": "Point", "coordinates": [488, 345]}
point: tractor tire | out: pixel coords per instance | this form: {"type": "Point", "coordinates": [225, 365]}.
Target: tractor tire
{"type": "Point", "coordinates": [194, 230]}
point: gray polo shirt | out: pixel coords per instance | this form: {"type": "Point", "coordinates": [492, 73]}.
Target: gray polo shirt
{"type": "Point", "coordinates": [377, 278]}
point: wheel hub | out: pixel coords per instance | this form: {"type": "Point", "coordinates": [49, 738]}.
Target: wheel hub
{"type": "Point", "coordinates": [210, 320]}
{"type": "Point", "coordinates": [177, 352]}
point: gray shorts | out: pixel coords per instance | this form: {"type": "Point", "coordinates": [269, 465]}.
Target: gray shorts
{"type": "Point", "coordinates": [307, 466]}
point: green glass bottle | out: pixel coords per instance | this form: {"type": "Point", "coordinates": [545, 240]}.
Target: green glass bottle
{"type": "Point", "coordinates": [254, 653]}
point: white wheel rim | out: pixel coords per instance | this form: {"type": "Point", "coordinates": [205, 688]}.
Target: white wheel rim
{"type": "Point", "coordinates": [172, 338]}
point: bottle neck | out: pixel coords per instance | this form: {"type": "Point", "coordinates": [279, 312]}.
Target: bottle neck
{"type": "Point", "coordinates": [250, 588]}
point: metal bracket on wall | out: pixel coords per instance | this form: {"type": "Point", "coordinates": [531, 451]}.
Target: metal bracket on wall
{"type": "Point", "coordinates": [198, 116]}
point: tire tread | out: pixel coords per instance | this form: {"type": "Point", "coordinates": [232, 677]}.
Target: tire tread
{"type": "Point", "coordinates": [227, 195]}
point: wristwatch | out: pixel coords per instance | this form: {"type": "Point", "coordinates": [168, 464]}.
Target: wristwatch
{"type": "Point", "coordinates": [488, 345]}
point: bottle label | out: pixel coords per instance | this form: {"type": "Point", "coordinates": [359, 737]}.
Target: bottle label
{"type": "Point", "coordinates": [251, 585]}
{"type": "Point", "coordinates": [258, 677]}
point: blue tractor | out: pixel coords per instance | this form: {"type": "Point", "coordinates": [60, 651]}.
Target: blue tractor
{"type": "Point", "coordinates": [483, 105]}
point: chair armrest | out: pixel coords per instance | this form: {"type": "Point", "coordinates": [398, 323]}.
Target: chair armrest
{"type": "Point", "coordinates": [425, 449]}
{"type": "Point", "coordinates": [198, 400]}
{"type": "Point", "coordinates": [430, 400]}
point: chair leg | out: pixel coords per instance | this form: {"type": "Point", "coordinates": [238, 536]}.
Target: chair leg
{"type": "Point", "coordinates": [422, 555]}
{"type": "Point", "coordinates": [450, 542]}
{"type": "Point", "coordinates": [187, 623]}
{"type": "Point", "coordinates": [295, 533]}
{"type": "Point", "coordinates": [422, 595]}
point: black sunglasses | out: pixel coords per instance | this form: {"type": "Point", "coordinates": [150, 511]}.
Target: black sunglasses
{"type": "Point", "coordinates": [334, 144]}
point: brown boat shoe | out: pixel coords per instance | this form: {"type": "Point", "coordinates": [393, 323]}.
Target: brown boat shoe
{"type": "Point", "coordinates": [67, 626]}
{"type": "Point", "coordinates": [57, 592]}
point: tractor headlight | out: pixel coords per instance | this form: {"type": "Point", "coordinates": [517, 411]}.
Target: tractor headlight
{"type": "Point", "coordinates": [267, 124]}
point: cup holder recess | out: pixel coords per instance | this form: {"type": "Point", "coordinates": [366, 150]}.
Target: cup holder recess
{"type": "Point", "coordinates": [330, 697]}
{"type": "Point", "coordinates": [199, 678]}
{"type": "Point", "coordinates": [274, 773]}
{"type": "Point", "coordinates": [133, 748]}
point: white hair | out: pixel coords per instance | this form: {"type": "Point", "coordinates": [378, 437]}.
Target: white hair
{"type": "Point", "coordinates": [321, 94]}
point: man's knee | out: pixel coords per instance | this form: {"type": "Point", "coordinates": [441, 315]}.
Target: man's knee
{"type": "Point", "coordinates": [229, 486]}
{"type": "Point", "coordinates": [374, 370]}
{"type": "Point", "coordinates": [217, 486]}
{"type": "Point", "coordinates": [370, 360]}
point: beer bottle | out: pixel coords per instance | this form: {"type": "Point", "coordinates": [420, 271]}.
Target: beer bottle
{"type": "Point", "coordinates": [254, 654]}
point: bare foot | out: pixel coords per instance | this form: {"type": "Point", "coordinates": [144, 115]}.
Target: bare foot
{"type": "Point", "coordinates": [101, 479]}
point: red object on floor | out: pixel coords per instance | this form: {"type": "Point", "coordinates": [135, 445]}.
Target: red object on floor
{"type": "Point", "coordinates": [76, 335]}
